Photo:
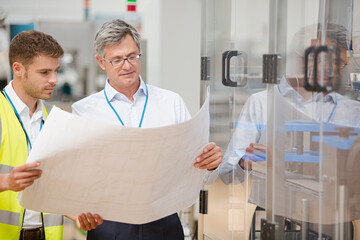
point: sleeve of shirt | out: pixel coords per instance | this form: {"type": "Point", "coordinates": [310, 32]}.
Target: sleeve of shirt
{"type": "Point", "coordinates": [211, 176]}
{"type": "Point", "coordinates": [247, 130]}
{"type": "Point", "coordinates": [81, 108]}
{"type": "Point", "coordinates": [182, 113]}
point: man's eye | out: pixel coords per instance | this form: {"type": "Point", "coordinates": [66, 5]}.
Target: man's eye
{"type": "Point", "coordinates": [117, 60]}
{"type": "Point", "coordinates": [132, 57]}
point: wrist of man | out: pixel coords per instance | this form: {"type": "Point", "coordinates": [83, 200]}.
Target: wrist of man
{"type": "Point", "coordinates": [4, 186]}
{"type": "Point", "coordinates": [241, 163]}
{"type": "Point", "coordinates": [244, 165]}
{"type": "Point", "coordinates": [212, 169]}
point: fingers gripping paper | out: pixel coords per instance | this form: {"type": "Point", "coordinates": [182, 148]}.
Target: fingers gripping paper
{"type": "Point", "coordinates": [124, 174]}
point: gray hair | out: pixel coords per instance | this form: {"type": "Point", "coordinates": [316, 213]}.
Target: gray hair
{"type": "Point", "coordinates": [336, 33]}
{"type": "Point", "coordinates": [302, 40]}
{"type": "Point", "coordinates": [113, 32]}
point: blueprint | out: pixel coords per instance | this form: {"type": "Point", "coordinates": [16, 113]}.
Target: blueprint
{"type": "Point", "coordinates": [124, 174]}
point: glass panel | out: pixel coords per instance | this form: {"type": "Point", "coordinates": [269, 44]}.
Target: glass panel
{"type": "Point", "coordinates": [300, 137]}
{"type": "Point", "coordinates": [312, 123]}
{"type": "Point", "coordinates": [235, 36]}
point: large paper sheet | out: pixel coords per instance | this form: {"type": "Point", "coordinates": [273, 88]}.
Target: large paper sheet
{"type": "Point", "coordinates": [124, 174]}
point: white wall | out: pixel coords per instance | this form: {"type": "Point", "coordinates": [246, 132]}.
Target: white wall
{"type": "Point", "coordinates": [25, 11]}
{"type": "Point", "coordinates": [150, 11]}
{"type": "Point", "coordinates": [180, 49]}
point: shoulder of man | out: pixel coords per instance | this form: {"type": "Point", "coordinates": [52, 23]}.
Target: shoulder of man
{"type": "Point", "coordinates": [162, 92]}
{"type": "Point", "coordinates": [88, 101]}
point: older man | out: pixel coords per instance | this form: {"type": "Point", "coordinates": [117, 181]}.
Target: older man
{"type": "Point", "coordinates": [128, 100]}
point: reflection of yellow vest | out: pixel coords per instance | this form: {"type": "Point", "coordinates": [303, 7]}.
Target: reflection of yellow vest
{"type": "Point", "coordinates": [14, 152]}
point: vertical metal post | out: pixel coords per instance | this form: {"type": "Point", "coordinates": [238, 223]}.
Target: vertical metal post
{"type": "Point", "coordinates": [277, 45]}
{"type": "Point", "coordinates": [342, 209]}
{"type": "Point", "coordinates": [270, 183]}
{"type": "Point", "coordinates": [270, 118]}
{"type": "Point", "coordinates": [203, 86]}
{"type": "Point", "coordinates": [305, 208]}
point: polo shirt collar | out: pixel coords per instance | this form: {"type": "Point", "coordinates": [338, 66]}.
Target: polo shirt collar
{"type": "Point", "coordinates": [113, 94]}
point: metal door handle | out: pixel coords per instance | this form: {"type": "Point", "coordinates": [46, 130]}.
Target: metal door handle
{"type": "Point", "coordinates": [226, 79]}
{"type": "Point", "coordinates": [329, 86]}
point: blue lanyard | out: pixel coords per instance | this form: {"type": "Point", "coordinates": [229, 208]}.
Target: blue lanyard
{"type": "Point", "coordinates": [19, 118]}
{"type": "Point", "coordinates": [333, 110]}
{"type": "Point", "coordinates": [117, 115]}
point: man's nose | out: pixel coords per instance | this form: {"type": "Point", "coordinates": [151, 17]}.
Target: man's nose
{"type": "Point", "coordinates": [126, 64]}
{"type": "Point", "coordinates": [53, 79]}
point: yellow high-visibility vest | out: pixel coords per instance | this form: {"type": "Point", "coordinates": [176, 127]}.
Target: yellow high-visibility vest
{"type": "Point", "coordinates": [13, 153]}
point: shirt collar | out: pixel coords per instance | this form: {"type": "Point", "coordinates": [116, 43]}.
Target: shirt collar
{"type": "Point", "coordinates": [287, 91]}
{"type": "Point", "coordinates": [113, 93]}
{"type": "Point", "coordinates": [328, 98]}
{"type": "Point", "coordinates": [142, 86]}
{"type": "Point", "coordinates": [20, 106]}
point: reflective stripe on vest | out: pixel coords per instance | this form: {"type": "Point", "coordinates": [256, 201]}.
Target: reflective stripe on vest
{"type": "Point", "coordinates": [52, 220]}
{"type": "Point", "coordinates": [11, 218]}
{"type": "Point", "coordinates": [5, 168]}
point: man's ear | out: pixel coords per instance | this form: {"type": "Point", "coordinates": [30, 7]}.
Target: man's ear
{"type": "Point", "coordinates": [100, 61]}
{"type": "Point", "coordinates": [18, 69]}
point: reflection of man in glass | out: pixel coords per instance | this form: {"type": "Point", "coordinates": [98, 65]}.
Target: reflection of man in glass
{"type": "Point", "coordinates": [329, 107]}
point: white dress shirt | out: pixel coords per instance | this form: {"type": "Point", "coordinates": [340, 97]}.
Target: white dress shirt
{"type": "Point", "coordinates": [163, 108]}
{"type": "Point", "coordinates": [331, 108]}
{"type": "Point", "coordinates": [32, 219]}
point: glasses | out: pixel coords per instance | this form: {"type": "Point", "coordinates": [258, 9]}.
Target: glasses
{"type": "Point", "coordinates": [120, 61]}
{"type": "Point", "coordinates": [342, 63]}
